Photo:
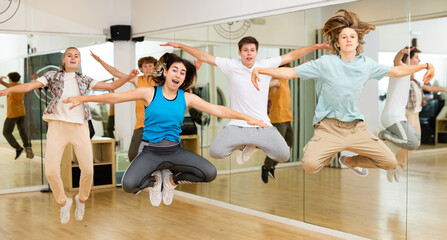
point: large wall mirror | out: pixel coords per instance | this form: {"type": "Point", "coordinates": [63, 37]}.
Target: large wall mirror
{"type": "Point", "coordinates": [335, 198]}
{"type": "Point", "coordinates": [26, 54]}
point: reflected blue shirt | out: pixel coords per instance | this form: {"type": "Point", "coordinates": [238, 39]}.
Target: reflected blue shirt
{"type": "Point", "coordinates": [339, 84]}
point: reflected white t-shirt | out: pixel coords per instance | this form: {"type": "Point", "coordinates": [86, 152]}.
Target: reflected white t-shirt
{"type": "Point", "coordinates": [61, 111]}
{"type": "Point", "coordinates": [245, 98]}
{"type": "Point", "coordinates": [396, 100]}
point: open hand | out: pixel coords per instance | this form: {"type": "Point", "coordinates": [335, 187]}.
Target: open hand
{"type": "Point", "coordinates": [172, 44]}
{"type": "Point", "coordinates": [255, 78]}
{"type": "Point", "coordinates": [133, 73]}
{"type": "Point", "coordinates": [95, 56]}
{"type": "Point", "coordinates": [429, 74]}
{"type": "Point", "coordinates": [74, 100]}
{"type": "Point", "coordinates": [256, 122]}
{"type": "Point", "coordinates": [323, 46]}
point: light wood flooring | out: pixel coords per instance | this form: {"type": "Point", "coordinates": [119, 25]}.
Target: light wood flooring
{"type": "Point", "coordinates": [414, 208]}
{"type": "Point", "coordinates": [114, 215]}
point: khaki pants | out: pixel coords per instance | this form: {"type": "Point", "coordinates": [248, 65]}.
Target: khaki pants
{"type": "Point", "coordinates": [332, 136]}
{"type": "Point", "coordinates": [58, 136]}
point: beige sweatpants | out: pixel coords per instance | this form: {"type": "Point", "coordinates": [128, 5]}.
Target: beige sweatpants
{"type": "Point", "coordinates": [60, 134]}
{"type": "Point", "coordinates": [332, 136]}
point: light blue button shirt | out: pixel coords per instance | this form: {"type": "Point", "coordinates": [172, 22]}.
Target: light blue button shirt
{"type": "Point", "coordinates": [339, 84]}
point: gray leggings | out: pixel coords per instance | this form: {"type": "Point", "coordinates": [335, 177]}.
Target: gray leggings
{"type": "Point", "coordinates": [402, 134]}
{"type": "Point", "coordinates": [234, 137]}
{"type": "Point", "coordinates": [186, 166]}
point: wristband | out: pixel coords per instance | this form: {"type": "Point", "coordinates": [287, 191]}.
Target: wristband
{"type": "Point", "coordinates": [427, 66]}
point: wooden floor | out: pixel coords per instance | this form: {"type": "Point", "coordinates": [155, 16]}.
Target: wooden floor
{"type": "Point", "coordinates": [114, 215]}
{"type": "Point", "coordinates": [414, 208]}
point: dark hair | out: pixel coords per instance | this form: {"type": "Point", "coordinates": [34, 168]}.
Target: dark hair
{"type": "Point", "coordinates": [14, 76]}
{"type": "Point", "coordinates": [63, 64]}
{"type": "Point", "coordinates": [144, 60]}
{"type": "Point", "coordinates": [248, 40]}
{"type": "Point", "coordinates": [333, 27]}
{"type": "Point", "coordinates": [165, 62]}
{"type": "Point", "coordinates": [412, 52]}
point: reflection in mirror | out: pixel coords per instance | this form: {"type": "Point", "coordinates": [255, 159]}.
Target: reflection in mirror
{"type": "Point", "coordinates": [26, 54]}
{"type": "Point", "coordinates": [426, 166]}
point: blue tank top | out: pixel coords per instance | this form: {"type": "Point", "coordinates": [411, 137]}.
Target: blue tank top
{"type": "Point", "coordinates": [163, 117]}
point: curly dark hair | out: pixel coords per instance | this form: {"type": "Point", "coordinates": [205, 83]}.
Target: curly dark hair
{"type": "Point", "coordinates": [144, 60]}
{"type": "Point", "coordinates": [336, 24]}
{"type": "Point", "coordinates": [14, 76]}
{"type": "Point", "coordinates": [165, 62]}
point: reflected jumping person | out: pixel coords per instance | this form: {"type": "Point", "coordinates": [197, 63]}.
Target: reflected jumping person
{"type": "Point", "coordinates": [67, 127]}
{"type": "Point", "coordinates": [15, 115]}
{"type": "Point", "coordinates": [161, 151]}
{"type": "Point", "coordinates": [340, 78]}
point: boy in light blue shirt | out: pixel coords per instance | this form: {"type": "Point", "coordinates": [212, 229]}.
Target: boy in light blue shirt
{"type": "Point", "coordinates": [340, 78]}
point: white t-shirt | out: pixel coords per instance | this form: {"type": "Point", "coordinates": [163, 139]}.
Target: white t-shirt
{"type": "Point", "coordinates": [61, 111]}
{"type": "Point", "coordinates": [418, 95]}
{"type": "Point", "coordinates": [396, 100]}
{"type": "Point", "coordinates": [245, 98]}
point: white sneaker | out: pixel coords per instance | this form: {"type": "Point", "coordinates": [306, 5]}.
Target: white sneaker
{"type": "Point", "coordinates": [358, 170]}
{"type": "Point", "coordinates": [239, 159]}
{"type": "Point", "coordinates": [65, 211]}
{"type": "Point", "coordinates": [168, 187]}
{"type": "Point", "coordinates": [155, 191]}
{"type": "Point", "coordinates": [390, 175]}
{"type": "Point", "coordinates": [80, 208]}
{"type": "Point", "coordinates": [397, 172]}
{"type": "Point", "coordinates": [248, 151]}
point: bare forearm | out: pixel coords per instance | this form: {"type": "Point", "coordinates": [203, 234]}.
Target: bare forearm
{"type": "Point", "coordinates": [112, 70]}
{"type": "Point", "coordinates": [398, 59]}
{"type": "Point", "coordinates": [199, 54]}
{"type": "Point", "coordinates": [433, 89]}
{"type": "Point", "coordinates": [405, 70]}
{"type": "Point", "coordinates": [103, 98]}
{"type": "Point", "coordinates": [297, 54]}
{"type": "Point", "coordinates": [279, 73]}
{"type": "Point", "coordinates": [224, 112]}
{"type": "Point", "coordinates": [26, 87]}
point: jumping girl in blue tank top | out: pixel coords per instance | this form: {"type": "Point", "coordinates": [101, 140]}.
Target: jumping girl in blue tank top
{"type": "Point", "coordinates": [160, 152]}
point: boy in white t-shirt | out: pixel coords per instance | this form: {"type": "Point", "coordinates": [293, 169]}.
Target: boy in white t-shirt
{"type": "Point", "coordinates": [238, 135]}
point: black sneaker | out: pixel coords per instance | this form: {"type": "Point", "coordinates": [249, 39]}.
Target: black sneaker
{"type": "Point", "coordinates": [264, 175]}
{"type": "Point", "coordinates": [18, 153]}
{"type": "Point", "coordinates": [272, 173]}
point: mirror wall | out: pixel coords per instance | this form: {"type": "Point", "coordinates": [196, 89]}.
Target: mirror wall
{"type": "Point", "coordinates": [334, 198]}
{"type": "Point", "coordinates": [26, 54]}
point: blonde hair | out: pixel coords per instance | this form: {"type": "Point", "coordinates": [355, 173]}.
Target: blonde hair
{"type": "Point", "coordinates": [65, 53]}
{"type": "Point", "coordinates": [336, 24]}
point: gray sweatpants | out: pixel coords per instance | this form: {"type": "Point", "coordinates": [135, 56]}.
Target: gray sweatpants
{"type": "Point", "coordinates": [234, 137]}
{"type": "Point", "coordinates": [402, 134]}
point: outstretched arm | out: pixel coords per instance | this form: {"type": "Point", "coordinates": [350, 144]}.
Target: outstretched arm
{"type": "Point", "coordinates": [196, 102]}
{"type": "Point", "coordinates": [277, 73]}
{"type": "Point", "coordinates": [197, 53]}
{"type": "Point", "coordinates": [301, 52]}
{"type": "Point", "coordinates": [118, 83]}
{"type": "Point", "coordinates": [433, 89]}
{"type": "Point", "coordinates": [112, 70]}
{"type": "Point", "coordinates": [4, 83]}
{"type": "Point", "coordinates": [21, 88]}
{"type": "Point", "coordinates": [141, 93]}
{"type": "Point", "coordinates": [402, 71]}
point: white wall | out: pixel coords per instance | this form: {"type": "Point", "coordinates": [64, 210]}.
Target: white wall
{"type": "Point", "coordinates": [80, 17]}
{"type": "Point", "coordinates": [185, 14]}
